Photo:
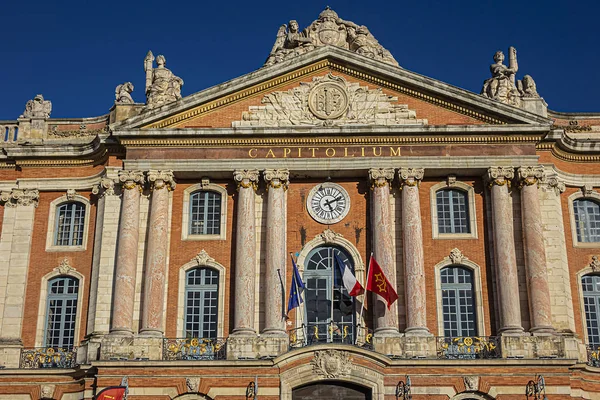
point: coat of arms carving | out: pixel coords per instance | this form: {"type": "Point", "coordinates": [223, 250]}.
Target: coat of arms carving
{"type": "Point", "coordinates": [331, 363]}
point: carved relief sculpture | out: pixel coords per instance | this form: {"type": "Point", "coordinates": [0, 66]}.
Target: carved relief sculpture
{"type": "Point", "coordinates": [331, 364]}
{"type": "Point", "coordinates": [501, 86]}
{"type": "Point", "coordinates": [123, 93]}
{"type": "Point", "coordinates": [328, 30]}
{"type": "Point", "coordinates": [162, 86]}
{"type": "Point", "coordinates": [527, 87]}
{"type": "Point", "coordinates": [37, 108]}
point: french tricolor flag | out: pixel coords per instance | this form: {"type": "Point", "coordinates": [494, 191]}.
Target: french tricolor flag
{"type": "Point", "coordinates": [353, 286]}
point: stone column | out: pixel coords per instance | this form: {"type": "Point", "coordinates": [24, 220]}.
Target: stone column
{"type": "Point", "coordinates": [155, 273]}
{"type": "Point", "coordinates": [245, 252]}
{"type": "Point", "coordinates": [127, 253]}
{"type": "Point", "coordinates": [499, 179]}
{"type": "Point", "coordinates": [414, 258]}
{"type": "Point", "coordinates": [276, 257]}
{"type": "Point", "coordinates": [535, 256]}
{"type": "Point", "coordinates": [15, 250]}
{"type": "Point", "coordinates": [385, 321]}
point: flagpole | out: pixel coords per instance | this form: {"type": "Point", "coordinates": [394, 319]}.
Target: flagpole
{"type": "Point", "coordinates": [330, 328]}
{"type": "Point", "coordinates": [366, 286]}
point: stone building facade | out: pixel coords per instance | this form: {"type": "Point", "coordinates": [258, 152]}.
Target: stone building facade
{"type": "Point", "coordinates": [154, 242]}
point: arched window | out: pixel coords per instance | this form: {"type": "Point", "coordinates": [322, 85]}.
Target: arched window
{"type": "Point", "coordinates": [201, 303]}
{"type": "Point", "coordinates": [591, 303]}
{"type": "Point", "coordinates": [70, 222]}
{"type": "Point", "coordinates": [587, 220]}
{"type": "Point", "coordinates": [458, 302]}
{"type": "Point", "coordinates": [61, 312]}
{"type": "Point", "coordinates": [452, 211]}
{"type": "Point", "coordinates": [205, 213]}
{"type": "Point", "coordinates": [323, 284]}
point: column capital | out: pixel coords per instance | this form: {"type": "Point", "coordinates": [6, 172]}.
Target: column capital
{"type": "Point", "coordinates": [410, 176]}
{"type": "Point", "coordinates": [20, 197]}
{"type": "Point", "coordinates": [105, 187]}
{"type": "Point", "coordinates": [276, 178]}
{"type": "Point", "coordinates": [380, 177]}
{"type": "Point", "coordinates": [530, 175]}
{"type": "Point", "coordinates": [246, 178]}
{"type": "Point", "coordinates": [500, 176]}
{"type": "Point", "coordinates": [160, 179]}
{"type": "Point", "coordinates": [131, 179]}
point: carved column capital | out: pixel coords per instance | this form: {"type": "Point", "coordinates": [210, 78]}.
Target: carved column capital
{"type": "Point", "coordinates": [500, 176]}
{"type": "Point", "coordinates": [131, 179]}
{"type": "Point", "coordinates": [246, 178]}
{"type": "Point", "coordinates": [410, 176]}
{"type": "Point", "coordinates": [551, 182]}
{"type": "Point", "coordinates": [105, 187]}
{"type": "Point", "coordinates": [380, 177]}
{"type": "Point", "coordinates": [277, 178]}
{"type": "Point", "coordinates": [530, 175]}
{"type": "Point", "coordinates": [161, 179]}
{"type": "Point", "coordinates": [20, 197]}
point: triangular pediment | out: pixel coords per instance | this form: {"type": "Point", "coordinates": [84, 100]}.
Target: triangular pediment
{"type": "Point", "coordinates": [377, 94]}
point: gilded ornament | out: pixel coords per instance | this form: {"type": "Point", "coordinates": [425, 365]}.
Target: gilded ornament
{"type": "Point", "coordinates": [410, 176]}
{"type": "Point", "coordinates": [380, 177]}
{"type": "Point", "coordinates": [246, 178]}
{"type": "Point", "coordinates": [276, 178]}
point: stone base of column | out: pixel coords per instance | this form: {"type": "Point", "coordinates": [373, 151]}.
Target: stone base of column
{"type": "Point", "coordinates": [388, 344]}
{"type": "Point", "coordinates": [242, 346]}
{"type": "Point", "coordinates": [542, 331]}
{"type": "Point", "coordinates": [418, 331]}
{"type": "Point", "coordinates": [10, 353]}
{"type": "Point", "coordinates": [121, 333]}
{"type": "Point", "coordinates": [90, 349]}
{"type": "Point", "coordinates": [420, 346]}
{"type": "Point", "coordinates": [539, 347]}
{"type": "Point", "coordinates": [274, 333]}
{"type": "Point", "coordinates": [512, 331]}
{"type": "Point", "coordinates": [131, 348]}
{"type": "Point", "coordinates": [151, 333]}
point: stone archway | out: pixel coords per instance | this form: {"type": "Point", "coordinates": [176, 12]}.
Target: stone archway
{"type": "Point", "coordinates": [331, 390]}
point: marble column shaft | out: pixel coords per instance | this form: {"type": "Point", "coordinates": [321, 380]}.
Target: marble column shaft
{"type": "Point", "coordinates": [276, 257]}
{"type": "Point", "coordinates": [245, 253]}
{"type": "Point", "coordinates": [414, 258]}
{"type": "Point", "coordinates": [386, 321]}
{"type": "Point", "coordinates": [155, 274]}
{"type": "Point", "coordinates": [127, 253]}
{"type": "Point", "coordinates": [499, 179]}
{"type": "Point", "coordinates": [535, 256]}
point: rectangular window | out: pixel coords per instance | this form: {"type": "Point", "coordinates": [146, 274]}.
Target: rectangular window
{"type": "Point", "coordinates": [205, 213]}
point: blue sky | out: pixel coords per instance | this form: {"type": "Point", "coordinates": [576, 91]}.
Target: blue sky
{"type": "Point", "coordinates": [75, 53]}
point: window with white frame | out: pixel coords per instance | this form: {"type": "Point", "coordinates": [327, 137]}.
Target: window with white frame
{"type": "Point", "coordinates": [452, 211]}
{"type": "Point", "coordinates": [591, 303]}
{"type": "Point", "coordinates": [201, 303]}
{"type": "Point", "coordinates": [61, 312]}
{"type": "Point", "coordinates": [458, 302]}
{"type": "Point", "coordinates": [587, 220]}
{"type": "Point", "coordinates": [205, 213]}
{"type": "Point", "coordinates": [70, 223]}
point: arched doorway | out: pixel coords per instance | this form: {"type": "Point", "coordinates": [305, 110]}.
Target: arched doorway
{"type": "Point", "coordinates": [331, 391]}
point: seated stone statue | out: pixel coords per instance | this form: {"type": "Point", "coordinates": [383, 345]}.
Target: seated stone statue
{"type": "Point", "coordinates": [290, 43]}
{"type": "Point", "coordinates": [123, 93]}
{"type": "Point", "coordinates": [501, 86]}
{"type": "Point", "coordinates": [527, 87]}
{"type": "Point", "coordinates": [163, 86]}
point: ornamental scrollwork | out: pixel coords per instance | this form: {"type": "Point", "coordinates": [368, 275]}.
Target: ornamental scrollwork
{"type": "Point", "coordinates": [380, 177]}
{"type": "Point", "coordinates": [530, 175]}
{"type": "Point", "coordinates": [246, 178]}
{"type": "Point", "coordinates": [500, 176]}
{"type": "Point", "coordinates": [161, 179]}
{"type": "Point", "coordinates": [456, 256]}
{"type": "Point", "coordinates": [64, 268]}
{"type": "Point", "coordinates": [410, 176]}
{"type": "Point", "coordinates": [20, 197]}
{"type": "Point", "coordinates": [277, 178]}
{"type": "Point", "coordinates": [131, 179]}
{"type": "Point", "coordinates": [105, 187]}
{"type": "Point", "coordinates": [203, 258]}
{"type": "Point", "coordinates": [330, 236]}
{"type": "Point", "coordinates": [331, 364]}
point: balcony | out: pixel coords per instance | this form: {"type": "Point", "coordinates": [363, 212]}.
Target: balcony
{"type": "Point", "coordinates": [468, 348]}
{"type": "Point", "coordinates": [312, 334]}
{"type": "Point", "coordinates": [195, 349]}
{"type": "Point", "coordinates": [48, 357]}
{"type": "Point", "coordinates": [593, 355]}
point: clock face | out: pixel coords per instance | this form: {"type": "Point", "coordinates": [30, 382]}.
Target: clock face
{"type": "Point", "coordinates": [328, 203]}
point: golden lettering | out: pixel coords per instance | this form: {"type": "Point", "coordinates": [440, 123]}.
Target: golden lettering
{"type": "Point", "coordinates": [299, 152]}
{"type": "Point", "coordinates": [286, 152]}
{"type": "Point", "coordinates": [328, 151]}
{"type": "Point", "coordinates": [271, 153]}
{"type": "Point", "coordinates": [313, 150]}
{"type": "Point", "coordinates": [250, 153]}
{"type": "Point", "coordinates": [362, 151]}
{"type": "Point", "coordinates": [394, 152]}
{"type": "Point", "coordinates": [375, 151]}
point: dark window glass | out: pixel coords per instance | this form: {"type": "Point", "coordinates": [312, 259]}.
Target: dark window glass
{"type": "Point", "coordinates": [205, 213]}
{"type": "Point", "coordinates": [201, 303]}
{"type": "Point", "coordinates": [452, 211]}
{"type": "Point", "coordinates": [61, 312]}
{"type": "Point", "coordinates": [587, 220]}
{"type": "Point", "coordinates": [70, 219]}
{"type": "Point", "coordinates": [458, 302]}
{"type": "Point", "coordinates": [591, 303]}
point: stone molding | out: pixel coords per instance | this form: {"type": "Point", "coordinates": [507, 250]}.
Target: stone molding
{"type": "Point", "coordinates": [331, 364]}
{"type": "Point", "coordinates": [131, 179]}
{"type": "Point", "coordinates": [20, 197]}
{"type": "Point", "coordinates": [105, 187]}
{"type": "Point", "coordinates": [276, 178]}
{"type": "Point", "coordinates": [380, 177]}
{"type": "Point", "coordinates": [530, 175]}
{"type": "Point", "coordinates": [161, 179]}
{"type": "Point", "coordinates": [410, 176]}
{"type": "Point", "coordinates": [500, 176]}
{"type": "Point", "coordinates": [64, 268]}
{"type": "Point", "coordinates": [246, 178]}
{"type": "Point", "coordinates": [551, 182]}
{"type": "Point", "coordinates": [203, 258]}
{"type": "Point", "coordinates": [330, 236]}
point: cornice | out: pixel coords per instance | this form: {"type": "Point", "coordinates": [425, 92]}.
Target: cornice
{"type": "Point", "coordinates": [54, 153]}
{"type": "Point", "coordinates": [566, 148]}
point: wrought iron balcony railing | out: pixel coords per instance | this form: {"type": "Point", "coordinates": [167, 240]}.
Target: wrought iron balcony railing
{"type": "Point", "coordinates": [593, 355]}
{"type": "Point", "coordinates": [195, 349]}
{"type": "Point", "coordinates": [307, 335]}
{"type": "Point", "coordinates": [48, 357]}
{"type": "Point", "coordinates": [468, 347]}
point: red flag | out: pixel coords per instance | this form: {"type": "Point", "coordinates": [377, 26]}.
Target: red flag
{"type": "Point", "coordinates": [378, 283]}
{"type": "Point", "coordinates": [112, 393]}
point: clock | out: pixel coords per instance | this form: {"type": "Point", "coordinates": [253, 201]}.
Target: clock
{"type": "Point", "coordinates": [328, 203]}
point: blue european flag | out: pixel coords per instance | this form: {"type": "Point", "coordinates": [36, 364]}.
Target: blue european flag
{"type": "Point", "coordinates": [296, 289]}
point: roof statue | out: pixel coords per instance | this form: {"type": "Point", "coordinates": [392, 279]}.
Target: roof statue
{"type": "Point", "coordinates": [37, 108]}
{"type": "Point", "coordinates": [503, 87]}
{"type": "Point", "coordinates": [123, 93]}
{"type": "Point", "coordinates": [162, 86]}
{"type": "Point", "coordinates": [330, 30]}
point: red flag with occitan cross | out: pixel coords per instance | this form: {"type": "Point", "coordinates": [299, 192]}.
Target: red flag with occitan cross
{"type": "Point", "coordinates": [378, 283]}
{"type": "Point", "coordinates": [112, 393]}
